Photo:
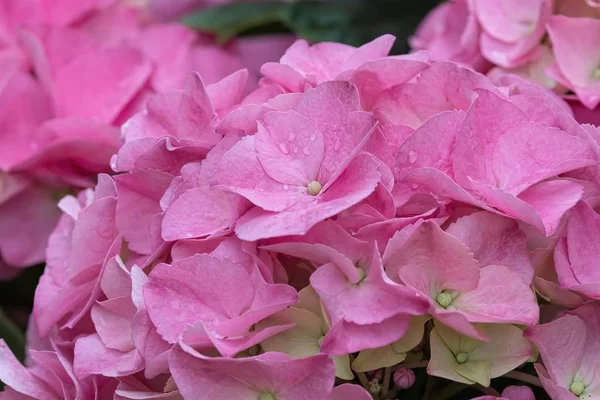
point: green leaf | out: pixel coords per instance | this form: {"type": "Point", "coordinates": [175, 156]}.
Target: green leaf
{"type": "Point", "coordinates": [232, 19]}
{"type": "Point", "coordinates": [13, 336]}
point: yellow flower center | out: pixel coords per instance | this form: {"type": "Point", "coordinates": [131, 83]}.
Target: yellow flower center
{"type": "Point", "coordinates": [314, 188]}
{"type": "Point", "coordinates": [444, 299]}
{"type": "Point", "coordinates": [462, 357]}
{"type": "Point", "coordinates": [577, 388]}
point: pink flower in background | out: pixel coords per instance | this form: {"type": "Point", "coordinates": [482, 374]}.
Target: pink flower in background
{"type": "Point", "coordinates": [71, 75]}
{"type": "Point", "coordinates": [451, 32]}
{"type": "Point", "coordinates": [548, 42]}
{"type": "Point", "coordinates": [577, 56]}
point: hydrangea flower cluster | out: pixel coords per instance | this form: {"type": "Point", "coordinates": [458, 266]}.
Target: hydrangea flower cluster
{"type": "Point", "coordinates": [553, 43]}
{"type": "Point", "coordinates": [71, 73]}
{"type": "Point", "coordinates": [356, 213]}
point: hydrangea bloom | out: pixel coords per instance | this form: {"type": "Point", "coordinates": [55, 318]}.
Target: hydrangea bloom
{"type": "Point", "coordinates": [72, 73]}
{"type": "Point", "coordinates": [549, 42]}
{"type": "Point", "coordinates": [306, 241]}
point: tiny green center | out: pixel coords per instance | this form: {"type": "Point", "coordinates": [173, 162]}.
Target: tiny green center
{"type": "Point", "coordinates": [320, 341]}
{"type": "Point", "coordinates": [461, 357]}
{"type": "Point", "coordinates": [314, 188]}
{"type": "Point", "coordinates": [596, 73]}
{"type": "Point", "coordinates": [444, 299]}
{"type": "Point", "coordinates": [266, 396]}
{"type": "Point", "coordinates": [577, 388]}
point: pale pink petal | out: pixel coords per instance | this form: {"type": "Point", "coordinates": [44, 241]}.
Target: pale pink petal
{"type": "Point", "coordinates": [289, 148]}
{"type": "Point", "coordinates": [357, 181]}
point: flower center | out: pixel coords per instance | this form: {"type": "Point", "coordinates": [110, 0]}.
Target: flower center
{"type": "Point", "coordinates": [253, 350]}
{"type": "Point", "coordinates": [577, 388]}
{"type": "Point", "coordinates": [461, 357]}
{"type": "Point", "coordinates": [444, 299]}
{"type": "Point", "coordinates": [596, 73]}
{"type": "Point", "coordinates": [375, 387]}
{"type": "Point", "coordinates": [266, 396]}
{"type": "Point", "coordinates": [314, 188]}
{"type": "Point", "coordinates": [320, 341]}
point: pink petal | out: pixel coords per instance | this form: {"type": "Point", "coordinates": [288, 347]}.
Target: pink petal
{"type": "Point", "coordinates": [500, 297]}
{"type": "Point", "coordinates": [334, 108]}
{"type": "Point", "coordinates": [473, 154]}
{"type": "Point", "coordinates": [289, 148]}
{"type": "Point", "coordinates": [577, 54]}
{"type": "Point", "coordinates": [92, 357]}
{"type": "Point", "coordinates": [247, 378]}
{"type": "Point", "coordinates": [530, 153]}
{"type": "Point", "coordinates": [121, 74]}
{"type": "Point", "coordinates": [442, 261]}
{"type": "Point", "coordinates": [356, 182]}
{"type": "Point", "coordinates": [494, 240]}
{"type": "Point", "coordinates": [241, 172]}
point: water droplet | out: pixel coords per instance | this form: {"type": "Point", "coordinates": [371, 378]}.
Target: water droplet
{"type": "Point", "coordinates": [306, 151]}
{"type": "Point", "coordinates": [291, 136]}
{"type": "Point", "coordinates": [412, 157]}
{"type": "Point", "coordinates": [415, 186]}
{"type": "Point", "coordinates": [284, 149]}
{"type": "Point", "coordinates": [295, 150]}
{"type": "Point", "coordinates": [286, 187]}
{"type": "Point", "coordinates": [313, 137]}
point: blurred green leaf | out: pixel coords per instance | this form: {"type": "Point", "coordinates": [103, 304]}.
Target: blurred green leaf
{"type": "Point", "coordinates": [13, 336]}
{"type": "Point", "coordinates": [352, 22]}
{"type": "Point", "coordinates": [232, 19]}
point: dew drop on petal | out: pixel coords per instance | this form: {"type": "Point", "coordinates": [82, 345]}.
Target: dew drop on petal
{"type": "Point", "coordinates": [306, 151]}
{"type": "Point", "coordinates": [313, 137]}
{"type": "Point", "coordinates": [291, 136]}
{"type": "Point", "coordinates": [284, 149]}
{"type": "Point", "coordinates": [412, 157]}
{"type": "Point", "coordinates": [415, 186]}
{"type": "Point", "coordinates": [295, 150]}
{"type": "Point", "coordinates": [285, 187]}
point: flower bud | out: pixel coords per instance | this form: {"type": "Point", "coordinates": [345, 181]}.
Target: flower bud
{"type": "Point", "coordinates": [404, 378]}
{"type": "Point", "coordinates": [518, 393]}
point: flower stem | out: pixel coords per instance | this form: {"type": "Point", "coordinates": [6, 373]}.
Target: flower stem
{"type": "Point", "coordinates": [490, 391]}
{"type": "Point", "coordinates": [386, 382]}
{"type": "Point", "coordinates": [421, 364]}
{"type": "Point", "coordinates": [523, 377]}
{"type": "Point", "coordinates": [364, 381]}
{"type": "Point", "coordinates": [450, 390]}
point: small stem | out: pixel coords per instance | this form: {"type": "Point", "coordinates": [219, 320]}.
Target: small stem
{"type": "Point", "coordinates": [422, 364]}
{"type": "Point", "coordinates": [523, 377]}
{"type": "Point", "coordinates": [386, 382]}
{"type": "Point", "coordinates": [430, 385]}
{"type": "Point", "coordinates": [490, 391]}
{"type": "Point", "coordinates": [451, 390]}
{"type": "Point", "coordinates": [363, 380]}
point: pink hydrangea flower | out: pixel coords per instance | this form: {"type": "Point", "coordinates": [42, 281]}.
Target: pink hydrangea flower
{"type": "Point", "coordinates": [303, 165]}
{"type": "Point", "coordinates": [459, 292]}
{"type": "Point", "coordinates": [569, 350]}
{"type": "Point", "coordinates": [547, 42]}
{"type": "Point", "coordinates": [249, 245]}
